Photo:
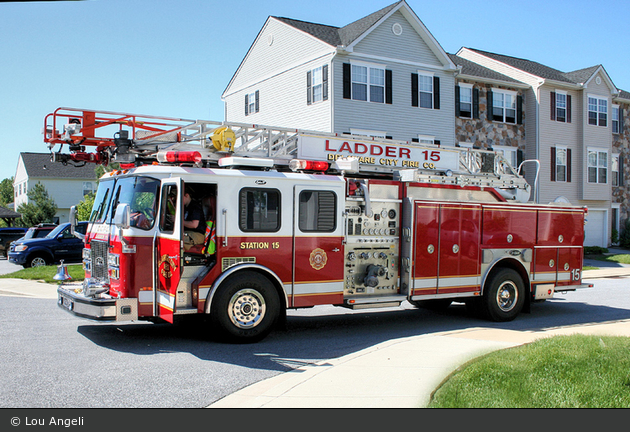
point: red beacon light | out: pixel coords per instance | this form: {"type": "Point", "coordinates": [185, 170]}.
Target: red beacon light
{"type": "Point", "coordinates": [179, 157]}
{"type": "Point", "coordinates": [307, 165]}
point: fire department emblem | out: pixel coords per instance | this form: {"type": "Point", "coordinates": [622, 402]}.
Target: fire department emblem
{"type": "Point", "coordinates": [167, 265]}
{"type": "Point", "coordinates": [318, 259]}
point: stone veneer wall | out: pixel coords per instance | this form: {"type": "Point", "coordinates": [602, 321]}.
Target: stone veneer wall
{"type": "Point", "coordinates": [483, 133]}
{"type": "Point", "coordinates": [621, 145]}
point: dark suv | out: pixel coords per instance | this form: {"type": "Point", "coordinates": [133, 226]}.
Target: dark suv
{"type": "Point", "coordinates": [59, 244]}
{"type": "Point", "coordinates": [7, 235]}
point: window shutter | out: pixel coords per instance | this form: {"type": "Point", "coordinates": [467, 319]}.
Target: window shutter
{"type": "Point", "coordinates": [308, 88]}
{"type": "Point", "coordinates": [553, 164]}
{"type": "Point", "coordinates": [436, 142]}
{"type": "Point", "coordinates": [568, 165]}
{"type": "Point", "coordinates": [388, 87]}
{"type": "Point", "coordinates": [621, 182]}
{"type": "Point", "coordinates": [456, 101]}
{"type": "Point", "coordinates": [475, 96]}
{"type": "Point", "coordinates": [436, 92]}
{"type": "Point", "coordinates": [568, 108]}
{"type": "Point", "coordinates": [552, 107]}
{"type": "Point", "coordinates": [489, 103]}
{"type": "Point", "coordinates": [414, 89]}
{"type": "Point", "coordinates": [246, 104]}
{"type": "Point", "coordinates": [519, 109]}
{"type": "Point", "coordinates": [325, 82]}
{"type": "Point", "coordinates": [620, 120]}
{"type": "Point", "coordinates": [347, 83]}
{"type": "Point", "coordinates": [257, 99]}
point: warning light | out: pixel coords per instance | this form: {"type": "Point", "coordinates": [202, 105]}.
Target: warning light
{"type": "Point", "coordinates": [179, 157]}
{"type": "Point", "coordinates": [306, 165]}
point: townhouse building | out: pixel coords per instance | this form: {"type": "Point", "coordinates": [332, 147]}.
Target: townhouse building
{"type": "Point", "coordinates": [385, 75]}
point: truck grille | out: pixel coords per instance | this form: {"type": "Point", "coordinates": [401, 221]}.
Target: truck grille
{"type": "Point", "coordinates": [98, 256]}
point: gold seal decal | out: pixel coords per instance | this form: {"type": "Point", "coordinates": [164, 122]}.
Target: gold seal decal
{"type": "Point", "coordinates": [167, 265]}
{"type": "Point", "coordinates": [318, 259]}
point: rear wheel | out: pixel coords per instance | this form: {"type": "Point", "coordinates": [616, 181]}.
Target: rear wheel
{"type": "Point", "coordinates": [246, 308]}
{"type": "Point", "coordinates": [504, 296]}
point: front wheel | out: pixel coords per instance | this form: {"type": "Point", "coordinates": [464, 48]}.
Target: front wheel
{"type": "Point", "coordinates": [504, 296]}
{"type": "Point", "coordinates": [246, 308]}
{"type": "Point", "coordinates": [36, 261]}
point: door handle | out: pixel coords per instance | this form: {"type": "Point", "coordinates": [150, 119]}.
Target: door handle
{"type": "Point", "coordinates": [335, 250]}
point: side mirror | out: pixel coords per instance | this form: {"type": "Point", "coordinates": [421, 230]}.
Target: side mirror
{"type": "Point", "coordinates": [73, 223]}
{"type": "Point", "coordinates": [122, 218]}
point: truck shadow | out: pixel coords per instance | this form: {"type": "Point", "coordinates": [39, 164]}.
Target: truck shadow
{"type": "Point", "coordinates": [312, 338]}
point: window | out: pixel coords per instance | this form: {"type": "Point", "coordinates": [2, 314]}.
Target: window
{"type": "Point", "coordinates": [465, 100]}
{"type": "Point", "coordinates": [597, 111]}
{"type": "Point", "coordinates": [259, 210]}
{"type": "Point", "coordinates": [87, 188]}
{"type": "Point", "coordinates": [504, 106]}
{"type": "Point", "coordinates": [509, 153]}
{"type": "Point", "coordinates": [368, 133]}
{"type": "Point", "coordinates": [252, 102]}
{"type": "Point", "coordinates": [425, 139]}
{"type": "Point", "coordinates": [615, 118]}
{"type": "Point", "coordinates": [561, 164]}
{"type": "Point", "coordinates": [317, 85]}
{"type": "Point", "coordinates": [167, 209]}
{"type": "Point", "coordinates": [597, 166]}
{"type": "Point", "coordinates": [368, 83]}
{"type": "Point", "coordinates": [614, 168]}
{"type": "Point", "coordinates": [317, 211]}
{"type": "Point", "coordinates": [425, 87]}
{"type": "Point", "coordinates": [561, 106]}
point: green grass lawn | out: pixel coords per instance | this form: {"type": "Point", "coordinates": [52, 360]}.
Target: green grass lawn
{"type": "Point", "coordinates": [620, 258]}
{"type": "Point", "coordinates": [576, 371]}
{"type": "Point", "coordinates": [46, 273]}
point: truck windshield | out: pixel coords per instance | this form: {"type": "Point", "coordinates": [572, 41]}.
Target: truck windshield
{"type": "Point", "coordinates": [139, 192]}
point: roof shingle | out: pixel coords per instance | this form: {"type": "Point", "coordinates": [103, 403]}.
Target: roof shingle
{"type": "Point", "coordinates": [38, 165]}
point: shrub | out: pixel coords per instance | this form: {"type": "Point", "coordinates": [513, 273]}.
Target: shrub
{"type": "Point", "coordinates": [594, 250]}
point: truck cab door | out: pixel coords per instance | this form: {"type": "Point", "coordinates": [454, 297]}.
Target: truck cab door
{"type": "Point", "coordinates": [167, 260]}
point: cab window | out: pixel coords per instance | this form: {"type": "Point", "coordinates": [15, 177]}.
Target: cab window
{"type": "Point", "coordinates": [317, 211]}
{"type": "Point", "coordinates": [259, 210]}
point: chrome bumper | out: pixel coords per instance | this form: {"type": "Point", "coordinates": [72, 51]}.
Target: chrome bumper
{"type": "Point", "coordinates": [99, 309]}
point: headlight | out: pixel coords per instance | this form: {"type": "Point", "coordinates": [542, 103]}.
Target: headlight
{"type": "Point", "coordinates": [113, 260]}
{"type": "Point", "coordinates": [20, 248]}
{"type": "Point", "coordinates": [86, 254]}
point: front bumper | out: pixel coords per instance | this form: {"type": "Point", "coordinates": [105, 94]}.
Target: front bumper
{"type": "Point", "coordinates": [98, 309]}
{"type": "Point", "coordinates": [17, 258]}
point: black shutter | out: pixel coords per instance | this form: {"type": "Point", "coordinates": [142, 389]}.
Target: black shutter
{"type": "Point", "coordinates": [620, 120]}
{"type": "Point", "coordinates": [257, 99]}
{"type": "Point", "coordinates": [436, 142]}
{"type": "Point", "coordinates": [308, 88]}
{"type": "Point", "coordinates": [621, 182]}
{"type": "Point", "coordinates": [553, 164]}
{"type": "Point", "coordinates": [519, 158]}
{"type": "Point", "coordinates": [519, 109]}
{"type": "Point", "coordinates": [436, 92]}
{"type": "Point", "coordinates": [414, 89]}
{"type": "Point", "coordinates": [568, 108]}
{"type": "Point", "coordinates": [569, 165]}
{"type": "Point", "coordinates": [325, 82]}
{"type": "Point", "coordinates": [247, 104]}
{"type": "Point", "coordinates": [475, 108]}
{"type": "Point", "coordinates": [347, 83]}
{"type": "Point", "coordinates": [388, 87]}
{"type": "Point", "coordinates": [489, 103]}
{"type": "Point", "coordinates": [552, 105]}
{"type": "Point", "coordinates": [456, 101]}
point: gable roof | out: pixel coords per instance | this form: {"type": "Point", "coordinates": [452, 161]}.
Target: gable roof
{"type": "Point", "coordinates": [577, 77]}
{"type": "Point", "coordinates": [38, 165]}
{"type": "Point", "coordinates": [6, 213]}
{"type": "Point", "coordinates": [336, 36]}
{"type": "Point", "coordinates": [475, 70]}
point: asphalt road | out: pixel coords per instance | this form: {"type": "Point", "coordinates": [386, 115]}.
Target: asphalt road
{"type": "Point", "coordinates": [54, 360]}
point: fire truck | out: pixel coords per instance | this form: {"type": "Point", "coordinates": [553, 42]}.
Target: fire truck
{"type": "Point", "coordinates": [298, 219]}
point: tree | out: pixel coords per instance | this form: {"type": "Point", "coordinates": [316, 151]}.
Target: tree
{"type": "Point", "coordinates": [6, 191]}
{"type": "Point", "coordinates": [84, 208]}
{"type": "Point", "coordinates": [40, 208]}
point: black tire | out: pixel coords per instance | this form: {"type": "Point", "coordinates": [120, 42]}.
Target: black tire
{"type": "Point", "coordinates": [436, 305]}
{"type": "Point", "coordinates": [246, 308]}
{"type": "Point", "coordinates": [36, 261]}
{"type": "Point", "coordinates": [504, 296]}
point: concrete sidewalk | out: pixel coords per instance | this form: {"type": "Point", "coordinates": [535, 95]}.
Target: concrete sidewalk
{"type": "Point", "coordinates": [400, 373]}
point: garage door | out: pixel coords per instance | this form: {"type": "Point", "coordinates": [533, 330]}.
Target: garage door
{"type": "Point", "coordinates": [595, 234]}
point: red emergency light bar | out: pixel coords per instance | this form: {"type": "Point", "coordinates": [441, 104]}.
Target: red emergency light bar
{"type": "Point", "coordinates": [307, 165]}
{"type": "Point", "coordinates": [179, 157]}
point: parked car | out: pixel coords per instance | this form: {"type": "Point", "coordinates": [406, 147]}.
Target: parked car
{"type": "Point", "coordinates": [40, 230]}
{"type": "Point", "coordinates": [7, 235]}
{"type": "Point", "coordinates": [59, 244]}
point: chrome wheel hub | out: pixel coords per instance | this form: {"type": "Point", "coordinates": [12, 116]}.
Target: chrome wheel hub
{"type": "Point", "coordinates": [246, 308]}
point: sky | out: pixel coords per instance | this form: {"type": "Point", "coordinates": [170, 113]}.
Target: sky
{"type": "Point", "coordinates": [174, 58]}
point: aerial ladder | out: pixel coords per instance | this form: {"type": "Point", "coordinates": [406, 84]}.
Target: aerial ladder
{"type": "Point", "coordinates": [132, 140]}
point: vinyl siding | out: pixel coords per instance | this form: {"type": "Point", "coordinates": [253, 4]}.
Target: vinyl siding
{"type": "Point", "coordinates": [599, 137]}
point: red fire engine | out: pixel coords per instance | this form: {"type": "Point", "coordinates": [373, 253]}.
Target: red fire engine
{"type": "Point", "coordinates": [298, 219]}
